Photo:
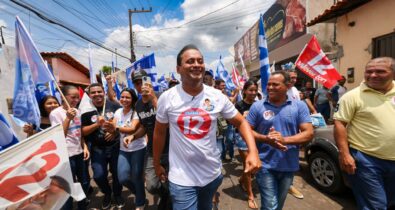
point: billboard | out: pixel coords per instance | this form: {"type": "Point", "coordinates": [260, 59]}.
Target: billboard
{"type": "Point", "coordinates": [284, 21]}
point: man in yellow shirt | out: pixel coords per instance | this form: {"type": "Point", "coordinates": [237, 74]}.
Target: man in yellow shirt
{"type": "Point", "coordinates": [365, 135]}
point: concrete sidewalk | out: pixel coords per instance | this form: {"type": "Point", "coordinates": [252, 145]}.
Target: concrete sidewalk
{"type": "Point", "coordinates": [233, 198]}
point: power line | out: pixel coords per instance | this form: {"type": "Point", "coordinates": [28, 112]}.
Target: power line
{"type": "Point", "coordinates": [66, 27]}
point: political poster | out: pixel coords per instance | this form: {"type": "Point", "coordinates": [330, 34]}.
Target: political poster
{"type": "Point", "coordinates": [36, 174]}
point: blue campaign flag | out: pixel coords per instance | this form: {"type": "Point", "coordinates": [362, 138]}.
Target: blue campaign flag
{"type": "Point", "coordinates": [223, 74]}
{"type": "Point", "coordinates": [30, 69]}
{"type": "Point", "coordinates": [28, 56]}
{"type": "Point", "coordinates": [163, 83]}
{"type": "Point", "coordinates": [52, 87]}
{"type": "Point", "coordinates": [7, 135]}
{"type": "Point", "coordinates": [263, 57]}
{"type": "Point", "coordinates": [104, 82]}
{"type": "Point", "coordinates": [42, 90]}
{"type": "Point", "coordinates": [147, 64]}
{"type": "Point", "coordinates": [117, 90]}
{"type": "Point", "coordinates": [172, 76]}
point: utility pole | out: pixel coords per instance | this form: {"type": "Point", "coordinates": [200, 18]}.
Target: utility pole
{"type": "Point", "coordinates": [1, 34]}
{"type": "Point", "coordinates": [132, 54]}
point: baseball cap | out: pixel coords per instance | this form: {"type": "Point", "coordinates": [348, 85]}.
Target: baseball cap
{"type": "Point", "coordinates": [138, 74]}
{"type": "Point", "coordinates": [207, 72]}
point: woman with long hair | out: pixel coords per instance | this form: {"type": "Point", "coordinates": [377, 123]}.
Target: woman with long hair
{"type": "Point", "coordinates": [70, 118]}
{"type": "Point", "coordinates": [131, 155]}
{"type": "Point", "coordinates": [47, 105]}
{"type": "Point", "coordinates": [250, 91]}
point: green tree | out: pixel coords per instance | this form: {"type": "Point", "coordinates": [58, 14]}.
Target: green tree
{"type": "Point", "coordinates": [106, 70]}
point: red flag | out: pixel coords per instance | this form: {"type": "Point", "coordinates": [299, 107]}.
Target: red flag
{"type": "Point", "coordinates": [314, 63]}
{"type": "Point", "coordinates": [81, 91]}
{"type": "Point", "coordinates": [236, 78]}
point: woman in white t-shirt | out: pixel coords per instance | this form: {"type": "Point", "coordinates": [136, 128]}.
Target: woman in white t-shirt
{"type": "Point", "coordinates": [131, 156]}
{"type": "Point", "coordinates": [70, 118]}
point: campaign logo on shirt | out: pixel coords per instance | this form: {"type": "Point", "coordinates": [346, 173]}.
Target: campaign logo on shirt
{"type": "Point", "coordinates": [268, 114]}
{"type": "Point", "coordinates": [94, 118]}
{"type": "Point", "coordinates": [207, 105]}
{"type": "Point", "coordinates": [194, 123]}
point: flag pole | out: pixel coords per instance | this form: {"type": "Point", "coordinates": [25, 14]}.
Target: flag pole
{"type": "Point", "coordinates": [104, 106]}
{"type": "Point", "coordinates": [61, 93]}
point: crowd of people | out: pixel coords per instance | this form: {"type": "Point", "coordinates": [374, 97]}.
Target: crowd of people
{"type": "Point", "coordinates": [173, 145]}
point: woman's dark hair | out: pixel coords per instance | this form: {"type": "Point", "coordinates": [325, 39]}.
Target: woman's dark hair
{"type": "Point", "coordinates": [65, 89]}
{"type": "Point", "coordinates": [42, 103]}
{"type": "Point", "coordinates": [249, 83]}
{"type": "Point", "coordinates": [134, 96]}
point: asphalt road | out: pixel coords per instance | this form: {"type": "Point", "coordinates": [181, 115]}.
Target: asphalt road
{"type": "Point", "coordinates": [233, 198]}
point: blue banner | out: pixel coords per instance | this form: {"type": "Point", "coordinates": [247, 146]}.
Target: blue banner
{"type": "Point", "coordinates": [28, 54]}
{"type": "Point", "coordinates": [29, 65]}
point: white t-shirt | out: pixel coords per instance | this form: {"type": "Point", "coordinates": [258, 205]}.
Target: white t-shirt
{"type": "Point", "coordinates": [293, 93]}
{"type": "Point", "coordinates": [193, 154]}
{"type": "Point", "coordinates": [125, 121]}
{"type": "Point", "coordinates": [73, 137]}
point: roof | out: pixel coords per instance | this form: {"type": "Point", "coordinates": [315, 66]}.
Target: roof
{"type": "Point", "coordinates": [68, 59]}
{"type": "Point", "coordinates": [338, 9]}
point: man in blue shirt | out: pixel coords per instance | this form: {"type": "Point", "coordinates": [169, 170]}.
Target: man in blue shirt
{"type": "Point", "coordinates": [280, 124]}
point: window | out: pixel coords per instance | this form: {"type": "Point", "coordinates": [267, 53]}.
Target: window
{"type": "Point", "coordinates": [384, 46]}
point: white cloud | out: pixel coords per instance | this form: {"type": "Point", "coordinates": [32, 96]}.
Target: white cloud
{"type": "Point", "coordinates": [3, 23]}
{"type": "Point", "coordinates": [157, 19]}
{"type": "Point", "coordinates": [214, 34]}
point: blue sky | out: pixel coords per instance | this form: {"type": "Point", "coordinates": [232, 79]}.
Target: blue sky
{"type": "Point", "coordinates": [214, 25]}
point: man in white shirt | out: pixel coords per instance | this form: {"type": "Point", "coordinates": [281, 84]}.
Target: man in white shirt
{"type": "Point", "coordinates": [293, 92]}
{"type": "Point", "coordinates": [191, 111]}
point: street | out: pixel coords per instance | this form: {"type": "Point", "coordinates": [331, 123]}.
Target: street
{"type": "Point", "coordinates": [233, 198]}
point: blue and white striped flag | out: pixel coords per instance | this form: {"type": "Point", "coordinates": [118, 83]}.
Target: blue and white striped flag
{"type": "Point", "coordinates": [223, 74]}
{"type": "Point", "coordinates": [163, 83]}
{"type": "Point", "coordinates": [263, 57]}
{"type": "Point", "coordinates": [7, 135]}
{"type": "Point", "coordinates": [147, 63]}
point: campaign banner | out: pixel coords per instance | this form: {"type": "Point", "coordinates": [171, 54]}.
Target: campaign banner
{"type": "Point", "coordinates": [36, 174]}
{"type": "Point", "coordinates": [313, 62]}
{"type": "Point", "coordinates": [283, 22]}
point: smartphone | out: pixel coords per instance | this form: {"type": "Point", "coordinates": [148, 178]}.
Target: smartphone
{"type": "Point", "coordinates": [146, 80]}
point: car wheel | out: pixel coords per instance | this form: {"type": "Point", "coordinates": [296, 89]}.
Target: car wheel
{"type": "Point", "coordinates": [325, 173]}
